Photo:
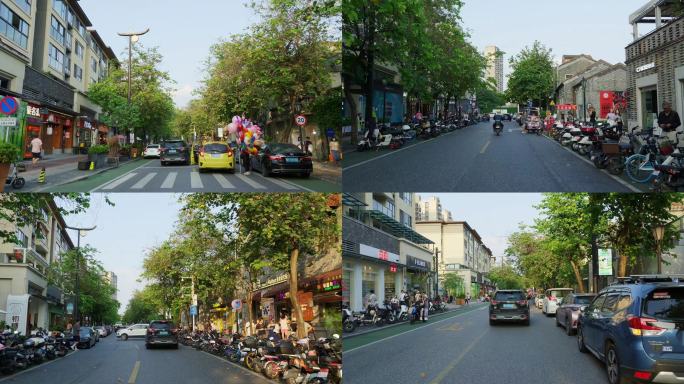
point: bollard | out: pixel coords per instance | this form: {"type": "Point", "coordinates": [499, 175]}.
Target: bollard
{"type": "Point", "coordinates": [92, 165]}
{"type": "Point", "coordinates": [41, 176]}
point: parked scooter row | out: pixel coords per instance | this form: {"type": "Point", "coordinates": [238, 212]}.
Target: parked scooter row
{"type": "Point", "coordinates": [389, 312]}
{"type": "Point", "coordinates": [18, 352]}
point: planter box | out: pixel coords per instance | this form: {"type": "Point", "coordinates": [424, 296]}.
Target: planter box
{"type": "Point", "coordinates": [100, 160]}
{"type": "Point", "coordinates": [123, 158]}
{"type": "Point", "coordinates": [460, 301]}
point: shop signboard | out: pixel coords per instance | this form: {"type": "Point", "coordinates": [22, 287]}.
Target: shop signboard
{"type": "Point", "coordinates": [282, 278]}
{"type": "Point", "coordinates": [193, 310]}
{"type": "Point", "coordinates": [267, 308]}
{"type": "Point", "coordinates": [416, 263]}
{"type": "Point", "coordinates": [306, 304]}
{"type": "Point", "coordinates": [645, 67]}
{"type": "Point", "coordinates": [605, 262]}
{"type": "Point", "coordinates": [8, 121]}
{"type": "Point", "coordinates": [379, 254]}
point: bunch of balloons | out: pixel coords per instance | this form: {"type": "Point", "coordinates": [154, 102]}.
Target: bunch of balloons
{"type": "Point", "coordinates": [247, 134]}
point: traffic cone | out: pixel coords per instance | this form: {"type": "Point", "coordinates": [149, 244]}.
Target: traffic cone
{"type": "Point", "coordinates": [41, 176]}
{"type": "Point", "coordinates": [92, 165]}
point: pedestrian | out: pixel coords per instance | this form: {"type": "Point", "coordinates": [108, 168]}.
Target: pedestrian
{"type": "Point", "coordinates": [36, 149]}
{"type": "Point", "coordinates": [426, 307]}
{"type": "Point", "coordinates": [592, 115]}
{"type": "Point", "coordinates": [669, 121]}
{"type": "Point", "coordinates": [284, 323]}
{"type": "Point", "coordinates": [309, 146]}
{"type": "Point", "coordinates": [245, 159]}
{"type": "Point", "coordinates": [371, 300]}
{"type": "Point", "coordinates": [335, 150]}
{"type": "Point", "coordinates": [299, 143]}
{"type": "Point", "coordinates": [403, 298]}
{"type": "Point", "coordinates": [467, 298]}
{"type": "Point", "coordinates": [309, 330]}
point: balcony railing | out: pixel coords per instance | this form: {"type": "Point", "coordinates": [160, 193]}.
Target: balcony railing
{"type": "Point", "coordinates": [30, 257]}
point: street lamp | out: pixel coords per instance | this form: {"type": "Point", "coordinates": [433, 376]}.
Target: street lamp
{"type": "Point", "coordinates": [658, 233]}
{"type": "Point", "coordinates": [584, 99]}
{"type": "Point", "coordinates": [77, 291]}
{"type": "Point", "coordinates": [133, 37]}
{"type": "Point", "coordinates": [436, 258]}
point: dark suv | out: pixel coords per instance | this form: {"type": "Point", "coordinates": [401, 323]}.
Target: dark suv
{"type": "Point", "coordinates": [174, 151]}
{"type": "Point", "coordinates": [509, 305]}
{"type": "Point", "coordinates": [637, 328]}
{"type": "Point", "coordinates": [161, 332]}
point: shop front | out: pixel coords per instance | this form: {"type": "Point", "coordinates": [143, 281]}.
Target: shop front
{"type": "Point", "coordinates": [12, 124]}
{"type": "Point", "coordinates": [370, 269]}
{"type": "Point", "coordinates": [418, 273]}
{"type": "Point", "coordinates": [58, 133]}
{"type": "Point", "coordinates": [85, 134]}
{"type": "Point", "coordinates": [35, 125]}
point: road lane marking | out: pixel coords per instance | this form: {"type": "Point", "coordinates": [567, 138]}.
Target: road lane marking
{"type": "Point", "coordinates": [235, 365]}
{"type": "Point", "coordinates": [296, 186]}
{"type": "Point", "coordinates": [144, 181]}
{"type": "Point", "coordinates": [117, 178]}
{"type": "Point", "coordinates": [37, 366]}
{"type": "Point", "coordinates": [485, 147]}
{"type": "Point", "coordinates": [223, 181]}
{"type": "Point", "coordinates": [134, 374]}
{"type": "Point", "coordinates": [251, 182]}
{"type": "Point", "coordinates": [460, 357]}
{"type": "Point", "coordinates": [415, 329]}
{"type": "Point", "coordinates": [282, 184]}
{"type": "Point", "coordinates": [195, 180]}
{"type": "Point", "coordinates": [119, 181]}
{"type": "Point", "coordinates": [169, 181]}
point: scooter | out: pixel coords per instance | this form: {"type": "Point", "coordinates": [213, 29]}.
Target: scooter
{"type": "Point", "coordinates": [348, 320]}
{"type": "Point", "coordinates": [13, 178]}
{"type": "Point", "coordinates": [498, 128]}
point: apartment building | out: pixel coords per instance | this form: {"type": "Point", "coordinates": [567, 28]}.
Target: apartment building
{"type": "Point", "coordinates": [111, 278]}
{"type": "Point", "coordinates": [25, 293]}
{"type": "Point", "coordinates": [431, 209]}
{"type": "Point", "coordinates": [381, 249]}
{"type": "Point", "coordinates": [49, 56]}
{"type": "Point", "coordinates": [495, 66]}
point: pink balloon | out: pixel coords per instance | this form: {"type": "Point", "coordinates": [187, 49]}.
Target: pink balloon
{"type": "Point", "coordinates": [232, 128]}
{"type": "Point", "coordinates": [237, 120]}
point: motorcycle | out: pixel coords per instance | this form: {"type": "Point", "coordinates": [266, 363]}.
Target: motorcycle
{"type": "Point", "coordinates": [498, 128]}
{"type": "Point", "coordinates": [386, 314]}
{"type": "Point", "coordinates": [348, 320]}
{"type": "Point", "coordinates": [415, 312]}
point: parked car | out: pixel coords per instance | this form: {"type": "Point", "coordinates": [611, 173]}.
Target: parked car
{"type": "Point", "coordinates": [86, 337]}
{"type": "Point", "coordinates": [282, 159]}
{"type": "Point", "coordinates": [152, 150]}
{"type": "Point", "coordinates": [216, 155]}
{"type": "Point", "coordinates": [635, 328]}
{"type": "Point", "coordinates": [509, 305]}
{"type": "Point", "coordinates": [135, 330]}
{"type": "Point", "coordinates": [174, 151]}
{"type": "Point", "coordinates": [109, 329]}
{"type": "Point", "coordinates": [161, 332]}
{"type": "Point", "coordinates": [569, 311]}
{"type": "Point", "coordinates": [101, 330]}
{"type": "Point", "coordinates": [539, 300]}
{"type": "Point", "coordinates": [553, 298]}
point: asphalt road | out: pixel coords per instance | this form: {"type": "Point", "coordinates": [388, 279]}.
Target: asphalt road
{"type": "Point", "coordinates": [475, 160]}
{"type": "Point", "coordinates": [150, 176]}
{"type": "Point", "coordinates": [462, 347]}
{"type": "Point", "coordinates": [115, 361]}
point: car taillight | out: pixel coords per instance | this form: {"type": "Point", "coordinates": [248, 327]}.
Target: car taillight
{"type": "Point", "coordinates": [229, 153]}
{"type": "Point", "coordinates": [643, 326]}
{"type": "Point", "coordinates": [276, 158]}
{"type": "Point", "coordinates": [522, 302]}
{"type": "Point", "coordinates": [150, 330]}
{"type": "Point", "coordinates": [306, 159]}
{"type": "Point", "coordinates": [552, 298]}
{"type": "Point", "coordinates": [493, 302]}
{"type": "Point", "coordinates": [642, 375]}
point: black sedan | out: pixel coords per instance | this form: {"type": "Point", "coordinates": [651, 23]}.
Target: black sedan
{"type": "Point", "coordinates": [282, 159]}
{"type": "Point", "coordinates": [86, 337]}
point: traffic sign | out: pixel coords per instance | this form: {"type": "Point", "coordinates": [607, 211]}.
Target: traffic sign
{"type": "Point", "coordinates": [236, 304]}
{"type": "Point", "coordinates": [193, 310]}
{"type": "Point", "coordinates": [9, 105]}
{"type": "Point", "coordinates": [300, 120]}
{"type": "Point", "coordinates": [330, 133]}
{"type": "Point", "coordinates": [8, 121]}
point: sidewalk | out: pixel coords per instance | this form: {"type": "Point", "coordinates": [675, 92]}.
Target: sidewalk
{"type": "Point", "coordinates": [327, 171]}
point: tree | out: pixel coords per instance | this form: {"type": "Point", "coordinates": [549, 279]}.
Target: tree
{"type": "Point", "coordinates": [286, 226]}
{"type": "Point", "coordinates": [142, 308]}
{"type": "Point", "coordinates": [488, 98]}
{"type": "Point", "coordinates": [453, 283]}
{"type": "Point", "coordinates": [506, 277]}
{"type": "Point", "coordinates": [533, 75]}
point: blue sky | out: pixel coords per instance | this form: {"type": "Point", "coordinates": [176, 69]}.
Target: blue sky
{"type": "Point", "coordinates": [493, 215]}
{"type": "Point", "coordinates": [599, 28]}
{"type": "Point", "coordinates": [183, 30]}
{"type": "Point", "coordinates": [124, 233]}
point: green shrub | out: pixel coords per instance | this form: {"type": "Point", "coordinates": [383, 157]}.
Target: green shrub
{"type": "Point", "coordinates": [9, 153]}
{"type": "Point", "coordinates": [98, 149]}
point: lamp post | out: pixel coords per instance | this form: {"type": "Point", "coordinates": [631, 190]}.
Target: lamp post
{"type": "Point", "coordinates": [584, 98]}
{"type": "Point", "coordinates": [133, 37]}
{"type": "Point", "coordinates": [658, 233]}
{"type": "Point", "coordinates": [436, 258]}
{"type": "Point", "coordinates": [77, 290]}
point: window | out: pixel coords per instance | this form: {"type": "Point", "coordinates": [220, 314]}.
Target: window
{"type": "Point", "coordinates": [93, 66]}
{"type": "Point", "coordinates": [56, 58]}
{"type": "Point", "coordinates": [609, 306]}
{"type": "Point", "coordinates": [598, 303]}
{"type": "Point", "coordinates": [81, 29]}
{"type": "Point", "coordinates": [23, 239]}
{"type": "Point", "coordinates": [25, 5]}
{"type": "Point", "coordinates": [67, 40]}
{"type": "Point", "coordinates": [405, 219]}
{"type": "Point", "coordinates": [13, 27]}
{"type": "Point", "coordinates": [57, 30]}
{"type": "Point", "coordinates": [4, 83]}
{"type": "Point", "coordinates": [60, 8]}
{"type": "Point", "coordinates": [78, 72]}
{"type": "Point", "coordinates": [79, 50]}
{"type": "Point", "coordinates": [569, 76]}
{"type": "Point", "coordinates": [390, 207]}
{"type": "Point", "coordinates": [406, 197]}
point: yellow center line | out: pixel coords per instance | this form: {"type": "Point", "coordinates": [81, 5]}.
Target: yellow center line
{"type": "Point", "coordinates": [134, 374]}
{"type": "Point", "coordinates": [460, 357]}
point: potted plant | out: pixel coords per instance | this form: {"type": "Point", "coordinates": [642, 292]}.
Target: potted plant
{"type": "Point", "coordinates": [9, 153]}
{"type": "Point", "coordinates": [125, 153]}
{"type": "Point", "coordinates": [98, 154]}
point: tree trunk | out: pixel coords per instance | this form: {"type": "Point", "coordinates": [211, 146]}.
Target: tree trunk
{"type": "Point", "coordinates": [294, 258]}
{"type": "Point", "coordinates": [445, 114]}
{"type": "Point", "coordinates": [370, 66]}
{"type": "Point", "coordinates": [249, 309]}
{"type": "Point", "coordinates": [353, 111]}
{"type": "Point", "coordinates": [622, 272]}
{"type": "Point", "coordinates": [578, 276]}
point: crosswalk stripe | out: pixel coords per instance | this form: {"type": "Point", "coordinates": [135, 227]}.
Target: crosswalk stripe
{"type": "Point", "coordinates": [195, 180]}
{"type": "Point", "coordinates": [143, 182]}
{"type": "Point", "coordinates": [120, 181]}
{"type": "Point", "coordinates": [169, 181]}
{"type": "Point", "coordinates": [223, 181]}
{"type": "Point", "coordinates": [251, 182]}
{"type": "Point", "coordinates": [282, 184]}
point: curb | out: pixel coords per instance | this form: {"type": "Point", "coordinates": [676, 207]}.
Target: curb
{"type": "Point", "coordinates": [81, 178]}
{"type": "Point", "coordinates": [355, 334]}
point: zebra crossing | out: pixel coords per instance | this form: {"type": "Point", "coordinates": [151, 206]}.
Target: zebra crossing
{"type": "Point", "coordinates": [150, 180]}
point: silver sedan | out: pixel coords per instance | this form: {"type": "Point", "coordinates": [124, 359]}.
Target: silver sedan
{"type": "Point", "coordinates": [568, 312]}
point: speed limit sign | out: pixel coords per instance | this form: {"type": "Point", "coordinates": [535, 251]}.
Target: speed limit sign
{"type": "Point", "coordinates": [300, 120]}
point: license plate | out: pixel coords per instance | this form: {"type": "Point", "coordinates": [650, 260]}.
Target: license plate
{"type": "Point", "coordinates": [292, 160]}
{"type": "Point", "coordinates": [163, 333]}
{"type": "Point", "coordinates": [216, 155]}
{"type": "Point", "coordinates": [509, 306]}
{"type": "Point", "coordinates": [172, 151]}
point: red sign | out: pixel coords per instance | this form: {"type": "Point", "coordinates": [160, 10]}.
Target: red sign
{"type": "Point", "coordinates": [393, 267]}
{"type": "Point", "coordinates": [8, 105]}
{"type": "Point", "coordinates": [566, 107]}
{"type": "Point", "coordinates": [606, 103]}
{"type": "Point", "coordinates": [382, 255]}
{"type": "Point", "coordinates": [300, 120]}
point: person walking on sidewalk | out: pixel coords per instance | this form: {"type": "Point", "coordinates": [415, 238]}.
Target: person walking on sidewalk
{"type": "Point", "coordinates": [335, 150]}
{"type": "Point", "coordinates": [426, 307]}
{"type": "Point", "coordinates": [36, 149]}
{"type": "Point", "coordinates": [669, 121]}
{"type": "Point", "coordinates": [467, 299]}
{"type": "Point", "coordinates": [371, 300]}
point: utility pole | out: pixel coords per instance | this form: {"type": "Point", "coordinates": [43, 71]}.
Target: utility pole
{"type": "Point", "coordinates": [436, 272]}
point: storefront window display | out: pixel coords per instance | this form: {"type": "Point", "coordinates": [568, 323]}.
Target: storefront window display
{"type": "Point", "coordinates": [368, 282]}
{"type": "Point", "coordinates": [649, 106]}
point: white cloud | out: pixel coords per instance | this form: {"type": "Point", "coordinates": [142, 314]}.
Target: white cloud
{"type": "Point", "coordinates": [183, 95]}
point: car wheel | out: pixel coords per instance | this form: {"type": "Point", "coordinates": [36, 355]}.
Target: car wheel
{"type": "Point", "coordinates": [492, 322]}
{"type": "Point", "coordinates": [231, 170]}
{"type": "Point", "coordinates": [147, 346]}
{"type": "Point", "coordinates": [612, 365]}
{"type": "Point", "coordinates": [568, 329]}
{"type": "Point", "coordinates": [557, 322]}
{"type": "Point", "coordinates": [175, 346]}
{"type": "Point", "coordinates": [163, 163]}
{"type": "Point", "coordinates": [580, 340]}
{"type": "Point", "coordinates": [124, 337]}
{"type": "Point", "coordinates": [200, 170]}
{"type": "Point", "coordinates": [526, 322]}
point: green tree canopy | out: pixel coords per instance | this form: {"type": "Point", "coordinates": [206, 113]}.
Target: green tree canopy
{"type": "Point", "coordinates": [533, 75]}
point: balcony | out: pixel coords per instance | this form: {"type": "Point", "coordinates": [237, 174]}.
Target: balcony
{"type": "Point", "coordinates": [29, 257]}
{"type": "Point", "coordinates": [355, 232]}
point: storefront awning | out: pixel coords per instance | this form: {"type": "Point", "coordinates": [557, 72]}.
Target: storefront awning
{"type": "Point", "coordinates": [351, 201]}
{"type": "Point", "coordinates": [397, 229]}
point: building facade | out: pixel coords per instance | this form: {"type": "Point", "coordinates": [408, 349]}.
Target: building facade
{"type": "Point", "coordinates": [110, 277]}
{"type": "Point", "coordinates": [495, 66]}
{"type": "Point", "coordinates": [25, 294]}
{"type": "Point", "coordinates": [380, 248]}
{"type": "Point", "coordinates": [460, 251]}
{"type": "Point", "coordinates": [431, 209]}
{"type": "Point", "coordinates": [49, 56]}
{"type": "Point", "coordinates": [655, 62]}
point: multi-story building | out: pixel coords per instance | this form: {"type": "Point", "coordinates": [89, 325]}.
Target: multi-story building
{"type": "Point", "coordinates": [25, 293]}
{"type": "Point", "coordinates": [495, 66]}
{"type": "Point", "coordinates": [110, 277]}
{"type": "Point", "coordinates": [381, 249]}
{"type": "Point", "coordinates": [50, 57]}
{"type": "Point", "coordinates": [460, 250]}
{"type": "Point", "coordinates": [431, 210]}
{"type": "Point", "coordinates": [655, 62]}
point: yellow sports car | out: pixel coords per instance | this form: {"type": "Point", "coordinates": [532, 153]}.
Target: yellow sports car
{"type": "Point", "coordinates": [216, 155]}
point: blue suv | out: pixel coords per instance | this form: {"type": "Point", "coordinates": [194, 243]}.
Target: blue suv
{"type": "Point", "coordinates": [636, 327]}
